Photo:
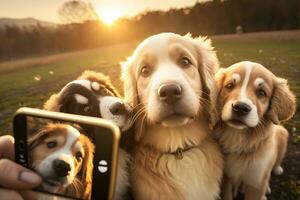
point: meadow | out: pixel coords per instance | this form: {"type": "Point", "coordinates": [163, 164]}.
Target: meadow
{"type": "Point", "coordinates": [30, 82]}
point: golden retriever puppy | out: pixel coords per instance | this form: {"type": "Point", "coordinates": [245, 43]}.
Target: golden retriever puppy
{"type": "Point", "coordinates": [252, 102]}
{"type": "Point", "coordinates": [64, 158]}
{"type": "Point", "coordinates": [169, 79]}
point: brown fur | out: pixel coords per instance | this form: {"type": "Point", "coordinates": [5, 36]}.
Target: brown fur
{"type": "Point", "coordinates": [252, 153]}
{"type": "Point", "coordinates": [85, 175]}
{"type": "Point", "coordinates": [157, 174]}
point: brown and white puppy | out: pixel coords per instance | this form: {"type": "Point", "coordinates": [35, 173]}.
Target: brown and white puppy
{"type": "Point", "coordinates": [170, 78]}
{"type": "Point", "coordinates": [64, 158]}
{"type": "Point", "coordinates": [252, 102]}
{"type": "Point", "coordinates": [92, 94]}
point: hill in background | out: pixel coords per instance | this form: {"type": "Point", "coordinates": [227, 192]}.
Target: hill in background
{"type": "Point", "coordinates": [25, 23]}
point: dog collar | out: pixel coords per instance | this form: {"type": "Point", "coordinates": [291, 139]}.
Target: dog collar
{"type": "Point", "coordinates": [179, 152]}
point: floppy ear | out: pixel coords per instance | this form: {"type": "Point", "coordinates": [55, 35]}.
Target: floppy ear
{"type": "Point", "coordinates": [208, 65]}
{"type": "Point", "coordinates": [219, 79]}
{"type": "Point", "coordinates": [283, 102]}
{"type": "Point", "coordinates": [130, 88]}
{"type": "Point", "coordinates": [131, 94]}
{"type": "Point", "coordinates": [37, 131]}
{"type": "Point", "coordinates": [86, 172]}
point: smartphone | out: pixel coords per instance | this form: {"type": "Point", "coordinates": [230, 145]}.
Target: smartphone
{"type": "Point", "coordinates": [73, 163]}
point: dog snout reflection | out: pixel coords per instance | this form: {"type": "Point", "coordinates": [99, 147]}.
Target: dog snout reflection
{"type": "Point", "coordinates": [61, 168]}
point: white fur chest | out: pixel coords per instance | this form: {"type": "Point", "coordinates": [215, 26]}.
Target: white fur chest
{"type": "Point", "coordinates": [193, 175]}
{"type": "Point", "coordinates": [252, 169]}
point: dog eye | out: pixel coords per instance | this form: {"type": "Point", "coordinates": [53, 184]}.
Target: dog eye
{"type": "Point", "coordinates": [230, 86]}
{"type": "Point", "coordinates": [79, 155]}
{"type": "Point", "coordinates": [51, 144]}
{"type": "Point", "coordinates": [145, 71]}
{"type": "Point", "coordinates": [185, 62]}
{"type": "Point", "coordinates": [261, 93]}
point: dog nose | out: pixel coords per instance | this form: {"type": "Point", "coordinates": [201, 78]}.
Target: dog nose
{"type": "Point", "coordinates": [241, 108]}
{"type": "Point", "coordinates": [61, 168]}
{"type": "Point", "coordinates": [117, 108]}
{"type": "Point", "coordinates": [170, 92]}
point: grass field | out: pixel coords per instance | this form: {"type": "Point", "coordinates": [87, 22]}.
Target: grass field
{"type": "Point", "coordinates": [30, 82]}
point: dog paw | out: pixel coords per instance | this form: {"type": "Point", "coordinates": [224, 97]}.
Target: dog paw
{"type": "Point", "coordinates": [278, 170]}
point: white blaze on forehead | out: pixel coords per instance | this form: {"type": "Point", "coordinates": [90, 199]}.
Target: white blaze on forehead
{"type": "Point", "coordinates": [248, 68]}
{"type": "Point", "coordinates": [236, 78]}
{"type": "Point", "coordinates": [252, 118]}
{"type": "Point", "coordinates": [259, 82]}
{"type": "Point", "coordinates": [95, 86]}
{"type": "Point", "coordinates": [81, 99]}
{"type": "Point", "coordinates": [73, 135]}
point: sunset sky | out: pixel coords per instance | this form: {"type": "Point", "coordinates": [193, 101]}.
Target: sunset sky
{"type": "Point", "coordinates": [47, 9]}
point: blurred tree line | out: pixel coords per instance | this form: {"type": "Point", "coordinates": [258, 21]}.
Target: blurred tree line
{"type": "Point", "coordinates": [209, 18]}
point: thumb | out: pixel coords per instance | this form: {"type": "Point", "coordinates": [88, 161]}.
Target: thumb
{"type": "Point", "coordinates": [14, 176]}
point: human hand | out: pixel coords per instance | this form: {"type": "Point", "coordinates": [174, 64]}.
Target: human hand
{"type": "Point", "coordinates": [15, 180]}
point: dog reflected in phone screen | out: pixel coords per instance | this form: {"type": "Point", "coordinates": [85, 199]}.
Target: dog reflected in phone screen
{"type": "Point", "coordinates": [62, 153]}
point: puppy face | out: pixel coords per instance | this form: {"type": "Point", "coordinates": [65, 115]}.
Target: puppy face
{"type": "Point", "coordinates": [249, 94]}
{"type": "Point", "coordinates": [58, 153]}
{"type": "Point", "coordinates": [92, 95]}
{"type": "Point", "coordinates": [168, 74]}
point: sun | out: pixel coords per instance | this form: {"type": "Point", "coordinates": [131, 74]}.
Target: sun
{"type": "Point", "coordinates": [109, 16]}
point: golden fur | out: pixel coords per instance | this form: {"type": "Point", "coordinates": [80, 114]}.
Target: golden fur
{"type": "Point", "coordinates": [251, 153]}
{"type": "Point", "coordinates": [156, 173]}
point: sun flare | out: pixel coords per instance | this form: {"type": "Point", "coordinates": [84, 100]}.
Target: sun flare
{"type": "Point", "coordinates": [109, 16]}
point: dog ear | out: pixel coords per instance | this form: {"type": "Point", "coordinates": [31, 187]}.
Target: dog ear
{"type": "Point", "coordinates": [86, 172]}
{"type": "Point", "coordinates": [283, 102]}
{"type": "Point", "coordinates": [37, 131]}
{"type": "Point", "coordinates": [219, 80]}
{"type": "Point", "coordinates": [208, 65]}
{"type": "Point", "coordinates": [130, 88]}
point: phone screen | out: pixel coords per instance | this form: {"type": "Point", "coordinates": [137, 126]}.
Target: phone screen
{"type": "Point", "coordinates": [73, 159]}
